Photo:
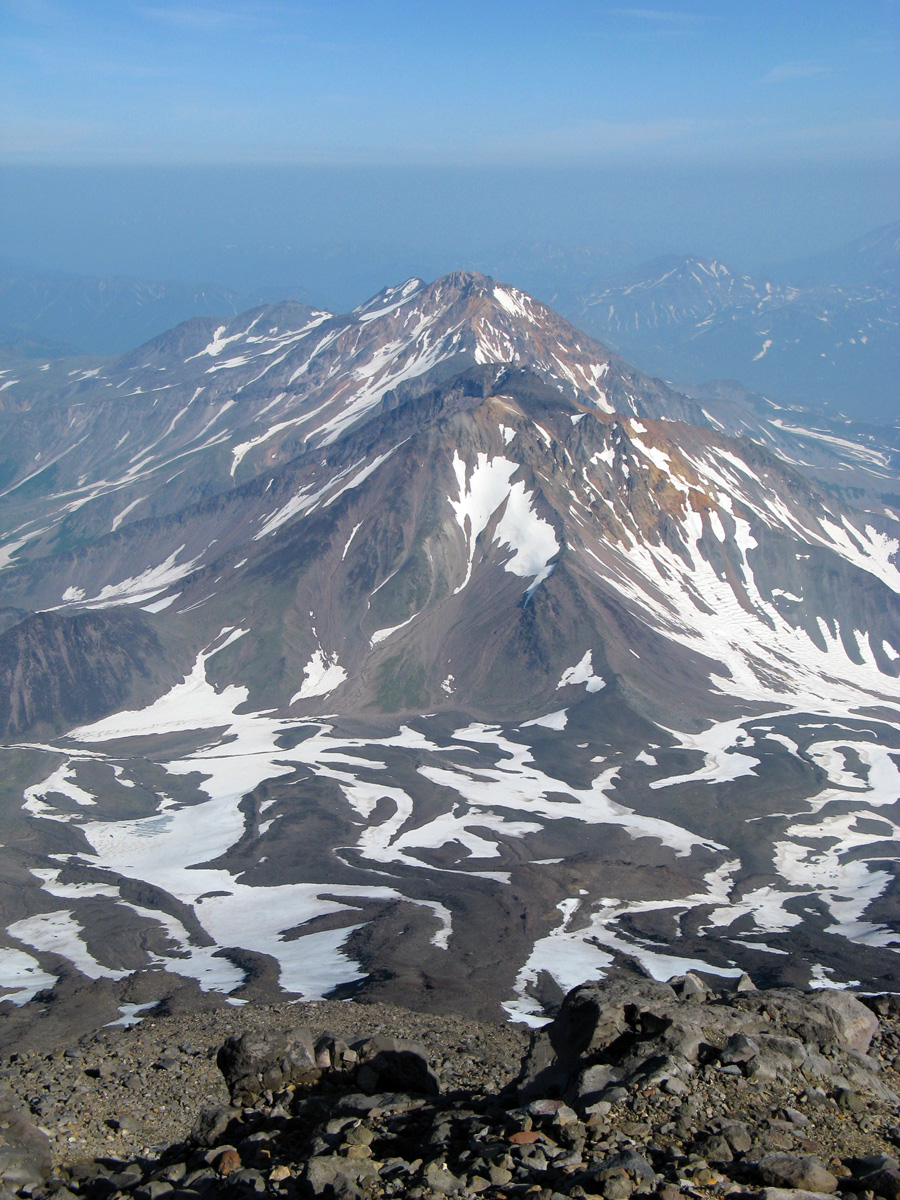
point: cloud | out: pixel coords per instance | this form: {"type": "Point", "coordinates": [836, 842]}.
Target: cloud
{"type": "Point", "coordinates": [795, 70]}
{"type": "Point", "coordinates": [883, 44]}
{"type": "Point", "coordinates": [657, 16]}
{"type": "Point", "coordinates": [205, 18]}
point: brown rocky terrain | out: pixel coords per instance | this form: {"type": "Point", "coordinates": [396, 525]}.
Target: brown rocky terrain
{"type": "Point", "coordinates": [636, 1087]}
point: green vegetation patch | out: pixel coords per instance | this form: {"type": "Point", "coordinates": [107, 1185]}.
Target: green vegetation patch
{"type": "Point", "coordinates": [407, 592]}
{"type": "Point", "coordinates": [401, 684]}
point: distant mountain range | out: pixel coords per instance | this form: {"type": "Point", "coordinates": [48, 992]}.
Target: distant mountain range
{"type": "Point", "coordinates": [691, 319]}
{"type": "Point", "coordinates": [58, 314]}
{"type": "Point", "coordinates": [872, 259]}
{"type": "Point", "coordinates": [819, 332]}
{"type": "Point", "coordinates": [433, 653]}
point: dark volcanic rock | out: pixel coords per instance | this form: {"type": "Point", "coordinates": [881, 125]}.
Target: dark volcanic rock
{"type": "Point", "coordinates": [592, 1018]}
{"type": "Point", "coordinates": [212, 1123]}
{"type": "Point", "coordinates": [58, 671]}
{"type": "Point", "coordinates": [25, 1158]}
{"type": "Point", "coordinates": [253, 1065]}
{"type": "Point", "coordinates": [398, 1066]}
{"type": "Point", "coordinates": [329, 1174]}
{"type": "Point", "coordinates": [884, 1183]}
{"type": "Point", "coordinates": [808, 1173]}
{"type": "Point", "coordinates": [627, 1032]}
{"type": "Point", "coordinates": [316, 1129]}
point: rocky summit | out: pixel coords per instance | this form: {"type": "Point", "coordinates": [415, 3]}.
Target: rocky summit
{"type": "Point", "coordinates": [636, 1088]}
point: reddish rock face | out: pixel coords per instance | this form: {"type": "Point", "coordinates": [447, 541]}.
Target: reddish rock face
{"type": "Point", "coordinates": [524, 1137]}
{"type": "Point", "coordinates": [228, 1161]}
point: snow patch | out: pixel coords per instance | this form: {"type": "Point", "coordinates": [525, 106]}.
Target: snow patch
{"type": "Point", "coordinates": [353, 534]}
{"type": "Point", "coordinates": [532, 539]}
{"type": "Point", "coordinates": [582, 672]}
{"type": "Point", "coordinates": [554, 720]}
{"type": "Point", "coordinates": [381, 635]}
{"type": "Point", "coordinates": [323, 675]}
{"type": "Point", "coordinates": [21, 976]}
{"type": "Point", "coordinates": [145, 585]}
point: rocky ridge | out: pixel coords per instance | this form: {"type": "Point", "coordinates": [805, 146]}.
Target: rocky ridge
{"type": "Point", "coordinates": [636, 1087]}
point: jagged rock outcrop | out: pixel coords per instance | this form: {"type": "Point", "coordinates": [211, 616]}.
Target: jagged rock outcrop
{"type": "Point", "coordinates": [626, 1032]}
{"type": "Point", "coordinates": [57, 670]}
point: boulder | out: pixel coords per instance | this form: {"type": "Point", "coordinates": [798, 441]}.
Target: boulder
{"type": "Point", "coordinates": [628, 1031]}
{"type": "Point", "coordinates": [256, 1063]}
{"type": "Point", "coordinates": [689, 987]}
{"type": "Point", "coordinates": [328, 1174]}
{"type": "Point", "coordinates": [592, 1081]}
{"type": "Point", "coordinates": [827, 1020]}
{"type": "Point", "coordinates": [738, 1134]}
{"type": "Point", "coordinates": [805, 1172]}
{"type": "Point", "coordinates": [619, 1175]}
{"type": "Point", "coordinates": [591, 1019]}
{"type": "Point", "coordinates": [853, 1023]}
{"type": "Point", "coordinates": [441, 1180]}
{"type": "Point", "coordinates": [738, 1049]}
{"type": "Point", "coordinates": [716, 1148]}
{"type": "Point", "coordinates": [885, 1183]}
{"type": "Point", "coordinates": [393, 1065]}
{"type": "Point", "coordinates": [212, 1123]}
{"type": "Point", "coordinates": [25, 1155]}
{"type": "Point", "coordinates": [874, 1162]}
{"type": "Point", "coordinates": [774, 1193]}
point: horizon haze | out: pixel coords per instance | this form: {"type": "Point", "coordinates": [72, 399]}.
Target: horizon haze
{"type": "Point", "coordinates": [335, 149]}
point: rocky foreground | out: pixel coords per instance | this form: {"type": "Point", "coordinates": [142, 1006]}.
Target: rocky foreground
{"type": "Point", "coordinates": [636, 1087]}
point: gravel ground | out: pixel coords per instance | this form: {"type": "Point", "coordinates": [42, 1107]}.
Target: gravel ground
{"type": "Point", "coordinates": [156, 1076]}
{"type": "Point", "coordinates": [125, 1100]}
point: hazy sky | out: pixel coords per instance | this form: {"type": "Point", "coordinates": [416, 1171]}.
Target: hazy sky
{"type": "Point", "coordinates": [463, 82]}
{"type": "Point", "coordinates": [766, 125]}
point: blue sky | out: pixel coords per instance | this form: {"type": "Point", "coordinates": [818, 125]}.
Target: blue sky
{"type": "Point", "coordinates": [384, 82]}
{"type": "Point", "coordinates": [337, 146]}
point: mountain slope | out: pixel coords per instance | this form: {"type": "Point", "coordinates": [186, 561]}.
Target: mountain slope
{"type": "Point", "coordinates": [205, 405]}
{"type": "Point", "coordinates": [434, 674]}
{"type": "Point", "coordinates": [873, 258]}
